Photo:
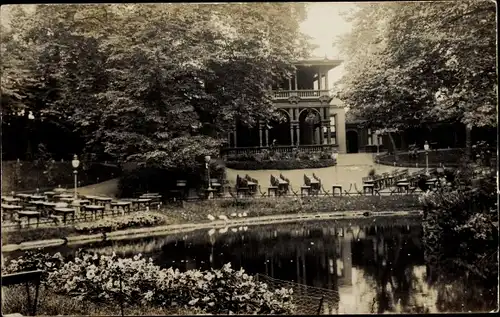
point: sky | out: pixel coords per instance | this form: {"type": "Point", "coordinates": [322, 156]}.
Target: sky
{"type": "Point", "coordinates": [324, 24]}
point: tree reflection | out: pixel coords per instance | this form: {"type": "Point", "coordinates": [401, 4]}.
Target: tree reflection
{"type": "Point", "coordinates": [389, 255]}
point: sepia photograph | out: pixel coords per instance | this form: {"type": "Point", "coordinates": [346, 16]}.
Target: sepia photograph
{"type": "Point", "coordinates": [267, 158]}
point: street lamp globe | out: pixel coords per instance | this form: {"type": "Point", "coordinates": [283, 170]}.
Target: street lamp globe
{"type": "Point", "coordinates": [75, 162]}
{"type": "Point", "coordinates": [207, 159]}
{"type": "Point", "coordinates": [426, 146]}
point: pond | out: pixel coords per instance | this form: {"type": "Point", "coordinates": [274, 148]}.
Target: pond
{"type": "Point", "coordinates": [370, 265]}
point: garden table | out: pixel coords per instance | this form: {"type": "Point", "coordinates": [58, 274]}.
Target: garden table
{"type": "Point", "coordinates": [39, 204]}
{"type": "Point", "coordinates": [29, 215]}
{"type": "Point", "coordinates": [8, 199]}
{"type": "Point", "coordinates": [140, 201]}
{"type": "Point", "coordinates": [23, 196]}
{"type": "Point", "coordinates": [66, 199]}
{"type": "Point", "coordinates": [403, 186]}
{"type": "Point", "coordinates": [90, 198]}
{"type": "Point", "coordinates": [150, 194]}
{"type": "Point", "coordinates": [65, 212]}
{"type": "Point", "coordinates": [11, 209]}
{"type": "Point", "coordinates": [102, 200]}
{"type": "Point", "coordinates": [48, 207]}
{"type": "Point", "coordinates": [37, 197]}
{"type": "Point", "coordinates": [94, 209]}
{"type": "Point", "coordinates": [123, 205]}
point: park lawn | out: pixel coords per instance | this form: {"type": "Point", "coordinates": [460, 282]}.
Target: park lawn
{"type": "Point", "coordinates": [197, 212]}
{"type": "Point", "coordinates": [14, 300]}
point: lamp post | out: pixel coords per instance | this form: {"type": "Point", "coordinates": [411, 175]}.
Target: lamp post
{"type": "Point", "coordinates": [207, 165]}
{"type": "Point", "coordinates": [75, 162]}
{"type": "Point", "coordinates": [426, 148]}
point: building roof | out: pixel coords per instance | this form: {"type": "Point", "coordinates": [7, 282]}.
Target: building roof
{"type": "Point", "coordinates": [314, 60]}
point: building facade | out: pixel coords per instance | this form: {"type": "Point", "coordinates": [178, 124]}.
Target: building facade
{"type": "Point", "coordinates": [312, 119]}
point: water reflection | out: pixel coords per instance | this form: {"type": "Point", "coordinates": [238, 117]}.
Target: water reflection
{"type": "Point", "coordinates": [373, 267]}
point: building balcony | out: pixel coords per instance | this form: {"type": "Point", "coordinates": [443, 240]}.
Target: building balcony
{"type": "Point", "coordinates": [301, 94]}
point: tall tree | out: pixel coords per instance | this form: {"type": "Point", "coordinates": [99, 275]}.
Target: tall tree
{"type": "Point", "coordinates": [160, 83]}
{"type": "Point", "coordinates": [421, 62]}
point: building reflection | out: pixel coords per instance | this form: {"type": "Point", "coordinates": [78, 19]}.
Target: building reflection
{"type": "Point", "coordinates": [334, 257]}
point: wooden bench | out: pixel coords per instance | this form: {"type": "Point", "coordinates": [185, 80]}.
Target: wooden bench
{"type": "Point", "coordinates": [25, 278]}
{"type": "Point", "coordinates": [180, 192]}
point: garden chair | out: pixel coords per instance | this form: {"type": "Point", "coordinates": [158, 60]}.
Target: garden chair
{"type": "Point", "coordinates": [334, 187]}
{"type": "Point", "coordinates": [367, 187]}
{"type": "Point", "coordinates": [241, 186]}
{"type": "Point", "coordinates": [274, 186]}
{"type": "Point", "coordinates": [284, 184]}
{"type": "Point", "coordinates": [348, 192]}
{"type": "Point", "coordinates": [306, 187]}
{"type": "Point", "coordinates": [315, 184]}
{"type": "Point", "coordinates": [252, 184]}
{"type": "Point", "coordinates": [358, 192]}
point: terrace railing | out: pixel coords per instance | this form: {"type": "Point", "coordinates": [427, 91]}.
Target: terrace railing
{"type": "Point", "coordinates": [303, 94]}
{"type": "Point", "coordinates": [280, 149]}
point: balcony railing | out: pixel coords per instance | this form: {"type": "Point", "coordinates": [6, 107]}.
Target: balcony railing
{"type": "Point", "coordinates": [281, 149]}
{"type": "Point", "coordinates": [303, 94]}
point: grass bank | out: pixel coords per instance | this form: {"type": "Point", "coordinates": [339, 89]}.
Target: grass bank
{"type": "Point", "coordinates": [197, 212]}
{"type": "Point", "coordinates": [14, 300]}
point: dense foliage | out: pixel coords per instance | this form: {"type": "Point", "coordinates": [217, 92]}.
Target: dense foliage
{"type": "Point", "coordinates": [422, 61]}
{"type": "Point", "coordinates": [136, 281]}
{"type": "Point", "coordinates": [280, 164]}
{"type": "Point", "coordinates": [155, 83]}
{"type": "Point", "coordinates": [461, 224]}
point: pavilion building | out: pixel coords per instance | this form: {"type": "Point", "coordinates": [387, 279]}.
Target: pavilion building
{"type": "Point", "coordinates": [314, 120]}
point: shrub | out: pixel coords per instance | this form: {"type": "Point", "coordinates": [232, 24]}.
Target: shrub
{"type": "Point", "coordinates": [113, 224]}
{"type": "Point", "coordinates": [139, 282]}
{"type": "Point", "coordinates": [144, 179]}
{"type": "Point", "coordinates": [303, 156]}
{"type": "Point", "coordinates": [468, 216]}
{"type": "Point", "coordinates": [280, 164]}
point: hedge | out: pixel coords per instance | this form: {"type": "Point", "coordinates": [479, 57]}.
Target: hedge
{"type": "Point", "coordinates": [447, 157]}
{"type": "Point", "coordinates": [280, 164]}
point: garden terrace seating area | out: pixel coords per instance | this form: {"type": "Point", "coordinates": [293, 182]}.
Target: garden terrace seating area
{"type": "Point", "coordinates": [57, 208]}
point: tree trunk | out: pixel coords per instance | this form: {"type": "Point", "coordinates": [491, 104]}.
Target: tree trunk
{"type": "Point", "coordinates": [468, 142]}
{"type": "Point", "coordinates": [393, 146]}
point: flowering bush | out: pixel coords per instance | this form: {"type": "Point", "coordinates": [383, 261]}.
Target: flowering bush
{"type": "Point", "coordinates": [34, 261]}
{"type": "Point", "coordinates": [139, 282]}
{"type": "Point", "coordinates": [112, 224]}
